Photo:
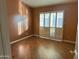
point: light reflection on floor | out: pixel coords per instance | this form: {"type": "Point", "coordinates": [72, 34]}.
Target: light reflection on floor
{"type": "Point", "coordinates": [48, 53]}
{"type": "Point", "coordinates": [24, 51]}
{"type": "Point", "coordinates": [37, 48]}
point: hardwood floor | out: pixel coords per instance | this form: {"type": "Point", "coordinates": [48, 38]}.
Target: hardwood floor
{"type": "Point", "coordinates": [39, 48]}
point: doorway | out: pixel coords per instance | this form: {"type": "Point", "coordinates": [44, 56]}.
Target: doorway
{"type": "Point", "coordinates": [51, 24]}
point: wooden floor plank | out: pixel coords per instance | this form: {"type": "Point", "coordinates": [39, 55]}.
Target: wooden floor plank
{"type": "Point", "coordinates": [39, 48]}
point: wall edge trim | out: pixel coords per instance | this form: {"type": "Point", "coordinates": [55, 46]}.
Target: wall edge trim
{"type": "Point", "coordinates": [47, 38]}
{"type": "Point", "coordinates": [73, 42]}
{"type": "Point", "coordinates": [20, 39]}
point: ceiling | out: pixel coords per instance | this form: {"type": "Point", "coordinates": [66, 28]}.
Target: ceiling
{"type": "Point", "coordinates": [38, 3]}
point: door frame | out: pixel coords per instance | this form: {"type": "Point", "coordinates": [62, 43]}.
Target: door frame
{"type": "Point", "coordinates": [4, 30]}
{"type": "Point", "coordinates": [55, 21]}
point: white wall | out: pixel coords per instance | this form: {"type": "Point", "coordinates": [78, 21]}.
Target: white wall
{"type": "Point", "coordinates": [4, 35]}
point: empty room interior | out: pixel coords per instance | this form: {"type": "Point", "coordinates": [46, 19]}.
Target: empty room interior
{"type": "Point", "coordinates": [42, 29]}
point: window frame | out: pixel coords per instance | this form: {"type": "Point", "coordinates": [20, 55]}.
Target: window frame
{"type": "Point", "coordinates": [50, 17]}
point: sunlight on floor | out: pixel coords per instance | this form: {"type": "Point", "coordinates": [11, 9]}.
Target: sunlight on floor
{"type": "Point", "coordinates": [24, 52]}
{"type": "Point", "coordinates": [48, 53]}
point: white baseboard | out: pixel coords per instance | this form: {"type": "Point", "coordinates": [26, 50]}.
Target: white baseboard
{"type": "Point", "coordinates": [69, 41]}
{"type": "Point", "coordinates": [47, 38]}
{"type": "Point", "coordinates": [20, 39]}
{"type": "Point", "coordinates": [40, 37]}
{"type": "Point", "coordinates": [54, 39]}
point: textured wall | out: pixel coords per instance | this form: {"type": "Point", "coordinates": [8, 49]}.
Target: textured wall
{"type": "Point", "coordinates": [13, 13]}
{"type": "Point", "coordinates": [70, 18]}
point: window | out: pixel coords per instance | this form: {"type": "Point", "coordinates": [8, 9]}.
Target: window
{"type": "Point", "coordinates": [51, 22]}
{"type": "Point", "coordinates": [52, 19]}
{"type": "Point", "coordinates": [59, 19]}
{"type": "Point", "coordinates": [42, 20]}
{"type": "Point", "coordinates": [46, 19]}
